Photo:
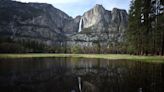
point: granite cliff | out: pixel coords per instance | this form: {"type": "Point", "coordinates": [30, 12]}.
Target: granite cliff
{"type": "Point", "coordinates": [44, 23]}
{"type": "Point", "coordinates": [34, 21]}
{"type": "Point", "coordinates": [101, 25]}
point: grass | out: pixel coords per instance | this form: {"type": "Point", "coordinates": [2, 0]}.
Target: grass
{"type": "Point", "coordinates": [159, 59]}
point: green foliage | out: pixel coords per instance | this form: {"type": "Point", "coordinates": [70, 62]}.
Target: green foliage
{"type": "Point", "coordinates": [20, 46]}
{"type": "Point", "coordinates": [35, 46]}
{"type": "Point", "coordinates": [142, 37]}
{"type": "Point", "coordinates": [97, 46]}
{"type": "Point", "coordinates": [11, 48]}
{"type": "Point", "coordinates": [75, 49]}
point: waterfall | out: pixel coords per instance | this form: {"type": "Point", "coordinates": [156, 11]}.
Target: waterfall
{"type": "Point", "coordinates": [79, 82]}
{"type": "Point", "coordinates": [80, 25]}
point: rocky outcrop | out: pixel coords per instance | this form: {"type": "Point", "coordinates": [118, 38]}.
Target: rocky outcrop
{"type": "Point", "coordinates": [100, 25]}
{"type": "Point", "coordinates": [38, 21]}
{"type": "Point", "coordinates": [72, 26]}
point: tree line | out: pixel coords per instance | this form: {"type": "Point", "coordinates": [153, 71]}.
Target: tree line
{"type": "Point", "coordinates": [145, 34]}
{"type": "Point", "coordinates": [9, 45]}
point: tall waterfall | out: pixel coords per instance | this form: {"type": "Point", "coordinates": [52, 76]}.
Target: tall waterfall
{"type": "Point", "coordinates": [80, 25]}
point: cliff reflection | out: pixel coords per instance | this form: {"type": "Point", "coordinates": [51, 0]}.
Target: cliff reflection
{"type": "Point", "coordinates": [63, 74]}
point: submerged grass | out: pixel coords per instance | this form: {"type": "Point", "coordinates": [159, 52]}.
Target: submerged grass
{"type": "Point", "coordinates": [159, 59]}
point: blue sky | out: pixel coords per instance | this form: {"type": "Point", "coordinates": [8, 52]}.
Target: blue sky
{"type": "Point", "coordinates": [78, 7]}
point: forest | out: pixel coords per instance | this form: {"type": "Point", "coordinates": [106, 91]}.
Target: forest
{"type": "Point", "coordinates": [145, 34]}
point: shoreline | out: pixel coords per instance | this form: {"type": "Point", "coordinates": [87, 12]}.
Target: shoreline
{"type": "Point", "coordinates": [159, 59]}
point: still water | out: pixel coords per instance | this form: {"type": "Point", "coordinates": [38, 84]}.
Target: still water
{"type": "Point", "coordinates": [80, 75]}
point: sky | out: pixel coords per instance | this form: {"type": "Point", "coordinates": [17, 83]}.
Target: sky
{"type": "Point", "coordinates": [78, 7]}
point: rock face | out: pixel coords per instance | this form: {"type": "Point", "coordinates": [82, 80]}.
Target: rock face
{"type": "Point", "coordinates": [72, 26]}
{"type": "Point", "coordinates": [100, 25]}
{"type": "Point", "coordinates": [43, 22]}
{"type": "Point", "coordinates": [38, 21]}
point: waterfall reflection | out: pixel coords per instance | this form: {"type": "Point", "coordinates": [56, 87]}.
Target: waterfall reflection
{"type": "Point", "coordinates": [95, 75]}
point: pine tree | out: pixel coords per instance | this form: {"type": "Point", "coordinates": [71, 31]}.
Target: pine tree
{"type": "Point", "coordinates": [134, 34]}
{"type": "Point", "coordinates": [158, 33]}
{"type": "Point", "coordinates": [145, 34]}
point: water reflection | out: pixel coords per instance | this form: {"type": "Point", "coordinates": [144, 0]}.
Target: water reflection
{"type": "Point", "coordinates": [79, 75]}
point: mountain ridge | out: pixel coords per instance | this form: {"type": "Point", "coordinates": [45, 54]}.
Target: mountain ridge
{"type": "Point", "coordinates": [101, 25]}
{"type": "Point", "coordinates": [46, 24]}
